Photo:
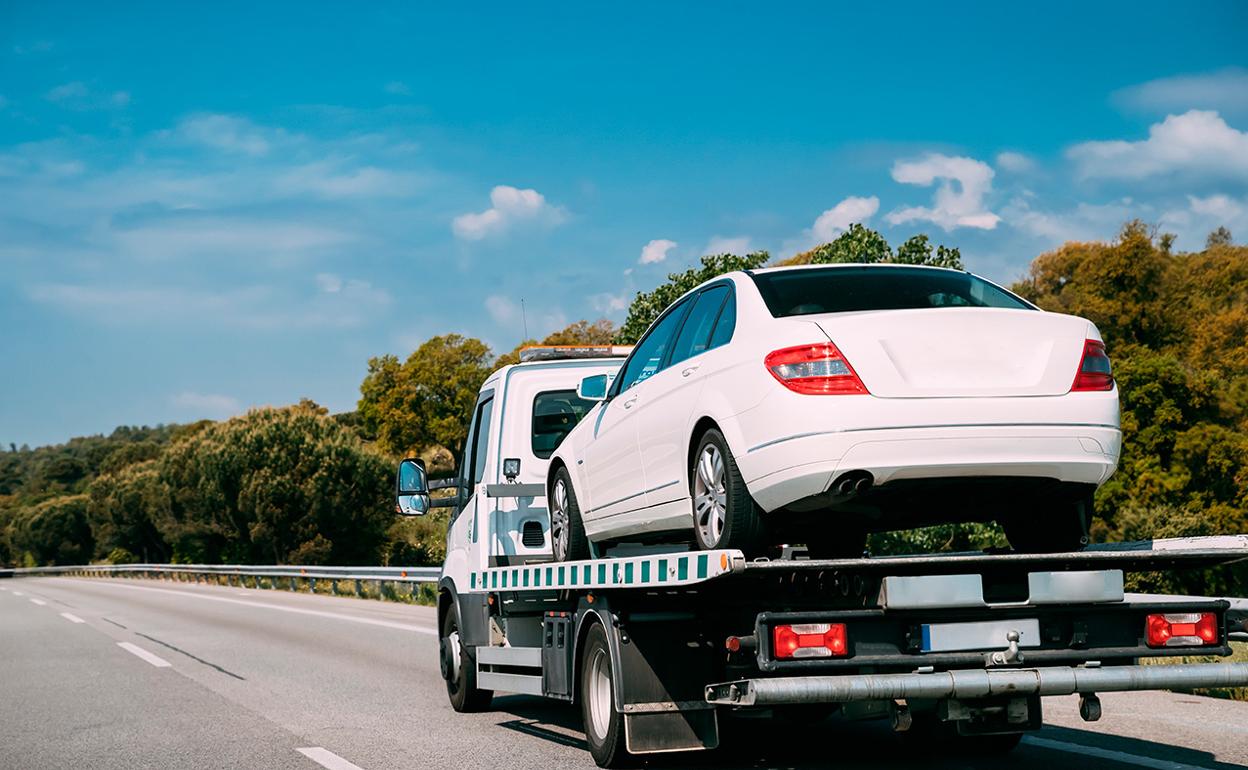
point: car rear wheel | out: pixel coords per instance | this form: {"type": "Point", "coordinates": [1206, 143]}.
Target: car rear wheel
{"type": "Point", "coordinates": [567, 531]}
{"type": "Point", "coordinates": [1058, 528]}
{"type": "Point", "coordinates": [724, 514]}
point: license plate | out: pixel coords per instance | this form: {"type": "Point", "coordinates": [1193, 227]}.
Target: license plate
{"type": "Point", "coordinates": [987, 635]}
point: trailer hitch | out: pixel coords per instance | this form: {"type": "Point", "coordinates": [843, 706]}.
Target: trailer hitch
{"type": "Point", "coordinates": [1010, 654]}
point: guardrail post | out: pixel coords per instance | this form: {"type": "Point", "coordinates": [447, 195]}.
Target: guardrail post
{"type": "Point", "coordinates": [333, 586]}
{"type": "Point", "coordinates": [359, 589]}
{"type": "Point", "coordinates": [312, 585]}
{"type": "Point", "coordinates": [292, 583]}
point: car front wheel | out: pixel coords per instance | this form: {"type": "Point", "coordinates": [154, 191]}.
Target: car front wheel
{"type": "Point", "coordinates": [724, 514]}
{"type": "Point", "coordinates": [567, 531]}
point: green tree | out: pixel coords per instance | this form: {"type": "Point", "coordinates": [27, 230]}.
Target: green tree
{"type": "Point", "coordinates": [54, 532]}
{"type": "Point", "coordinates": [1219, 237]}
{"type": "Point", "coordinates": [424, 400]}
{"type": "Point", "coordinates": [647, 306]}
{"type": "Point", "coordinates": [600, 332]}
{"type": "Point", "coordinates": [858, 244]}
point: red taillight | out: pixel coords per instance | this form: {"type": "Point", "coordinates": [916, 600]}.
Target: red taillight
{"type": "Point", "coordinates": [816, 370]}
{"type": "Point", "coordinates": [1094, 372]}
{"type": "Point", "coordinates": [809, 640]}
{"type": "Point", "coordinates": [1188, 629]}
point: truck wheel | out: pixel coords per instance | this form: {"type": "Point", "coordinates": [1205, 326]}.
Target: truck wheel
{"type": "Point", "coordinates": [604, 726]}
{"type": "Point", "coordinates": [724, 514]}
{"type": "Point", "coordinates": [459, 668]}
{"type": "Point", "coordinates": [1050, 529]}
{"type": "Point", "coordinates": [567, 531]}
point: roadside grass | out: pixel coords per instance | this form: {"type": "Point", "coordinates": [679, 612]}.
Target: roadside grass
{"type": "Point", "coordinates": [1239, 655]}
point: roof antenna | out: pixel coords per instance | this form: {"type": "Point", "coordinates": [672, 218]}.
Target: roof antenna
{"type": "Point", "coordinates": [525, 318]}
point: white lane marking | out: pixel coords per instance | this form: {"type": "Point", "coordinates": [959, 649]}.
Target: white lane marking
{"type": "Point", "coordinates": [266, 606]}
{"type": "Point", "coordinates": [1113, 756]}
{"type": "Point", "coordinates": [326, 758]}
{"type": "Point", "coordinates": [72, 618]}
{"type": "Point", "coordinates": [40, 602]}
{"type": "Point", "coordinates": [18, 593]}
{"type": "Point", "coordinates": [138, 651]}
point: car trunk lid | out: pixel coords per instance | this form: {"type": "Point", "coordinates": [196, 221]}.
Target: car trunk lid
{"type": "Point", "coordinates": [959, 352]}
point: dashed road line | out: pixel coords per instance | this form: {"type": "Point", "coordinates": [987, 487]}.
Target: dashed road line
{"type": "Point", "coordinates": [328, 759]}
{"type": "Point", "coordinates": [72, 618]}
{"type": "Point", "coordinates": [1109, 754]}
{"type": "Point", "coordinates": [40, 602]}
{"type": "Point", "coordinates": [18, 593]}
{"type": "Point", "coordinates": [139, 652]}
{"type": "Point", "coordinates": [280, 608]}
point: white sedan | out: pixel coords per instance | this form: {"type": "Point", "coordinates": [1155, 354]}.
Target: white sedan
{"type": "Point", "coordinates": [817, 404]}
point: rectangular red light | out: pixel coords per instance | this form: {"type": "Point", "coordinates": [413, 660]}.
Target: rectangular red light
{"type": "Point", "coordinates": [1095, 371]}
{"type": "Point", "coordinates": [818, 369]}
{"type": "Point", "coordinates": [1185, 629]}
{"type": "Point", "coordinates": [809, 640]}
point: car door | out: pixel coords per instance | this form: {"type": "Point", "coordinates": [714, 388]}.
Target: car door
{"type": "Point", "coordinates": [667, 401]}
{"type": "Point", "coordinates": [612, 456]}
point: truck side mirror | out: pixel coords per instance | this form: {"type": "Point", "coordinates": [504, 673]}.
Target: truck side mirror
{"type": "Point", "coordinates": [593, 388]}
{"type": "Point", "coordinates": [411, 488]}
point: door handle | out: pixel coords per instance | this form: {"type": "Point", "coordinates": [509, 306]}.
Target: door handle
{"type": "Point", "coordinates": [629, 403]}
{"type": "Point", "coordinates": [688, 370]}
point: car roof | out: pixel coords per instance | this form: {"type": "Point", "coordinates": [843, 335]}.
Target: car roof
{"type": "Point", "coordinates": [779, 268]}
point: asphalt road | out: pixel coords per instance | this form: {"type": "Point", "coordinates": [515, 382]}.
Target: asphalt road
{"type": "Point", "coordinates": [223, 677]}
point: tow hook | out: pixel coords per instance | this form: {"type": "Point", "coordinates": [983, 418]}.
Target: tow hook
{"type": "Point", "coordinates": [1011, 653]}
{"type": "Point", "coordinates": [1089, 707]}
{"type": "Point", "coordinates": [899, 716]}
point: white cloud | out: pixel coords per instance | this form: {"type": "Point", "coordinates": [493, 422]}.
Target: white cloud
{"type": "Point", "coordinates": [207, 403]}
{"type": "Point", "coordinates": [510, 206]}
{"type": "Point", "coordinates": [959, 198]}
{"type": "Point", "coordinates": [1015, 162]}
{"type": "Point", "coordinates": [1202, 215]}
{"type": "Point", "coordinates": [329, 179]}
{"type": "Point", "coordinates": [1083, 222]}
{"type": "Point", "coordinates": [1221, 207]}
{"type": "Point", "coordinates": [398, 88]}
{"type": "Point", "coordinates": [609, 304]}
{"type": "Point", "coordinates": [655, 251]}
{"type": "Point", "coordinates": [329, 283]}
{"type": "Point", "coordinates": [1194, 143]}
{"type": "Point", "coordinates": [720, 244]}
{"type": "Point", "coordinates": [852, 210]}
{"type": "Point", "coordinates": [223, 237]}
{"type": "Point", "coordinates": [508, 313]}
{"type": "Point", "coordinates": [1225, 91]}
{"type": "Point", "coordinates": [67, 91]}
{"type": "Point", "coordinates": [226, 133]}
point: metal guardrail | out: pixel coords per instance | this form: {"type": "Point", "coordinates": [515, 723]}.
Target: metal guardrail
{"type": "Point", "coordinates": [245, 574]}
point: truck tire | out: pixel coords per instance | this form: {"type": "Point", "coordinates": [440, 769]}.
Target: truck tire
{"type": "Point", "coordinates": [604, 726]}
{"type": "Point", "coordinates": [459, 668]}
{"type": "Point", "coordinates": [724, 514]}
{"type": "Point", "coordinates": [567, 531]}
{"type": "Point", "coordinates": [1050, 529]}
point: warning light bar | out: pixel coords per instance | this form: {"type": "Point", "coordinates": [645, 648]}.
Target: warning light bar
{"type": "Point", "coordinates": [566, 352]}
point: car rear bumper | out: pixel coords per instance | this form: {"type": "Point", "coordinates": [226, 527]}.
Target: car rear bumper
{"type": "Point", "coordinates": [791, 468]}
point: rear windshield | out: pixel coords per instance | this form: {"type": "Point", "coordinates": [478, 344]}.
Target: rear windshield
{"type": "Point", "coordinates": [555, 414]}
{"type": "Point", "coordinates": [847, 289]}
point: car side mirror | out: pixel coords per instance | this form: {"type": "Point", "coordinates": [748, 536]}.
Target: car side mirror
{"type": "Point", "coordinates": [411, 488]}
{"type": "Point", "coordinates": [594, 387]}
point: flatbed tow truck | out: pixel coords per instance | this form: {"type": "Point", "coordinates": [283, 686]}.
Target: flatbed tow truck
{"type": "Point", "coordinates": [658, 644]}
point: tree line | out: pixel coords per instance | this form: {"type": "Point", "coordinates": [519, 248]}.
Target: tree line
{"type": "Point", "coordinates": [298, 485]}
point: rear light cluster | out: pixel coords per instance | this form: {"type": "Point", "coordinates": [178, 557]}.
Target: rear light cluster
{"type": "Point", "coordinates": [809, 640]}
{"type": "Point", "coordinates": [1187, 629]}
{"type": "Point", "coordinates": [1094, 372]}
{"type": "Point", "coordinates": [815, 370]}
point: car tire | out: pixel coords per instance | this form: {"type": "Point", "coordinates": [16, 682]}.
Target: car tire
{"type": "Point", "coordinates": [604, 725]}
{"type": "Point", "coordinates": [1050, 529]}
{"type": "Point", "coordinates": [724, 514]}
{"type": "Point", "coordinates": [567, 530]}
{"type": "Point", "coordinates": [459, 668]}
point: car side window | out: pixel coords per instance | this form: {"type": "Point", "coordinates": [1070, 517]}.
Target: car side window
{"type": "Point", "coordinates": [695, 335]}
{"type": "Point", "coordinates": [726, 323]}
{"type": "Point", "coordinates": [648, 356]}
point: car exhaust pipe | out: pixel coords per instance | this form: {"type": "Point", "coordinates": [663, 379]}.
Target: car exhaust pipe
{"type": "Point", "coordinates": [852, 484]}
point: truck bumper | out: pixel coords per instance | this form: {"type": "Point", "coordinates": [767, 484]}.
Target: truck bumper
{"type": "Point", "coordinates": [974, 683]}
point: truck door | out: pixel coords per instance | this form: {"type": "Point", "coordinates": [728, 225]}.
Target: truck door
{"type": "Point", "coordinates": [466, 549]}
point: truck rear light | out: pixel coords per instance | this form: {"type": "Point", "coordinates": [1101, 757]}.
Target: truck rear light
{"type": "Point", "coordinates": [816, 370]}
{"type": "Point", "coordinates": [1095, 371]}
{"type": "Point", "coordinates": [809, 640]}
{"type": "Point", "coordinates": [1188, 629]}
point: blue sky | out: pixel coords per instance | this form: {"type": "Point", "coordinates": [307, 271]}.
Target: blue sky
{"type": "Point", "coordinates": [204, 209]}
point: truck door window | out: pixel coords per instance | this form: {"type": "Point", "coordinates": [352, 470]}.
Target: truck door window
{"type": "Point", "coordinates": [555, 414]}
{"type": "Point", "coordinates": [648, 356]}
{"type": "Point", "coordinates": [472, 461]}
{"type": "Point", "coordinates": [695, 335]}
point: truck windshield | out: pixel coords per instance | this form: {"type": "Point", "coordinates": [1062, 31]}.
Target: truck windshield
{"type": "Point", "coordinates": [555, 414]}
{"type": "Point", "coordinates": [848, 289]}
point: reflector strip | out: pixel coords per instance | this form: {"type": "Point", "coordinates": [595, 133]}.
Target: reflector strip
{"type": "Point", "coordinates": [639, 571]}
